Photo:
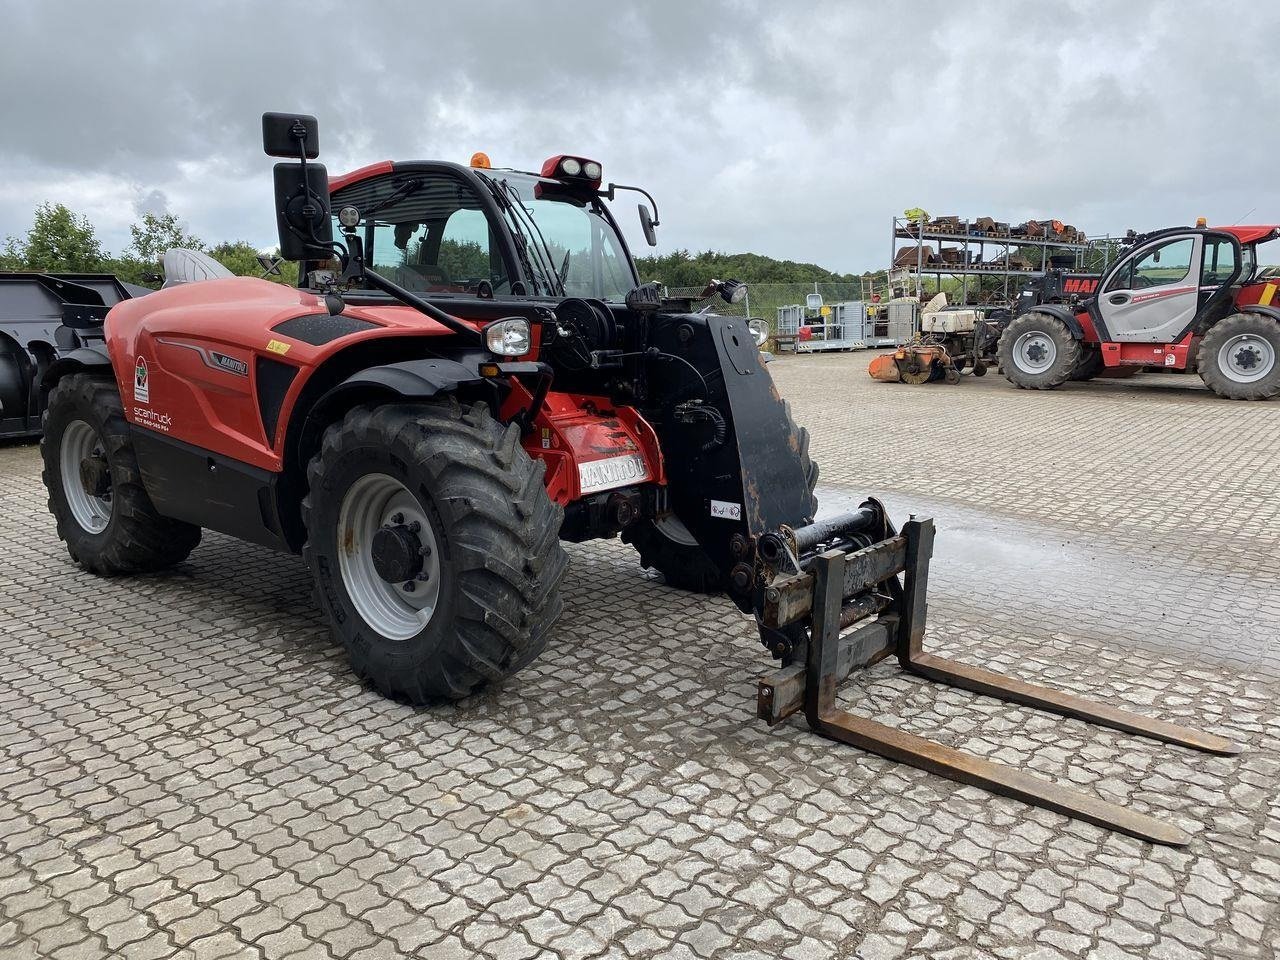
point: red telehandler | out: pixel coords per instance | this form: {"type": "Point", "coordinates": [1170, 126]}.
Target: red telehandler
{"type": "Point", "coordinates": [1185, 299]}
{"type": "Point", "coordinates": [469, 372]}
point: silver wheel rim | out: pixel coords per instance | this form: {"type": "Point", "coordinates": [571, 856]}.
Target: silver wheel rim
{"type": "Point", "coordinates": [1035, 352]}
{"type": "Point", "coordinates": [79, 442]}
{"type": "Point", "coordinates": [389, 608]}
{"type": "Point", "coordinates": [674, 530]}
{"type": "Point", "coordinates": [1246, 358]}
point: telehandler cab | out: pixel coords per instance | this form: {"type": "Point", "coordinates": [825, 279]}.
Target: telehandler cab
{"type": "Point", "coordinates": [469, 373]}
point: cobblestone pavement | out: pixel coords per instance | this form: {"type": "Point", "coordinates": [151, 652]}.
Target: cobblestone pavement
{"type": "Point", "coordinates": [188, 769]}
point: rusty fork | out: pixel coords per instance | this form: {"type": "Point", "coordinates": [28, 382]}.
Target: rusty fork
{"type": "Point", "coordinates": [899, 630]}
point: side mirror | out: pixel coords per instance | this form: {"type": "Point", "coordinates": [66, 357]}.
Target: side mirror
{"type": "Point", "coordinates": [283, 133]}
{"type": "Point", "coordinates": [302, 211]}
{"type": "Point", "coordinates": [646, 224]}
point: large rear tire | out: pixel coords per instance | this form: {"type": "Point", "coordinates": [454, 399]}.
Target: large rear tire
{"type": "Point", "coordinates": [96, 496]}
{"type": "Point", "coordinates": [667, 546]}
{"type": "Point", "coordinates": [1038, 352]}
{"type": "Point", "coordinates": [434, 548]}
{"type": "Point", "coordinates": [1239, 358]}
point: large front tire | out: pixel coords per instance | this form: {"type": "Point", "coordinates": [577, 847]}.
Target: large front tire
{"type": "Point", "coordinates": [96, 496]}
{"type": "Point", "coordinates": [1038, 352]}
{"type": "Point", "coordinates": [1239, 358]}
{"type": "Point", "coordinates": [434, 548]}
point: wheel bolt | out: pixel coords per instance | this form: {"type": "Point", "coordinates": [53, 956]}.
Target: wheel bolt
{"type": "Point", "coordinates": [397, 518]}
{"type": "Point", "coordinates": [410, 586]}
{"type": "Point", "coordinates": [426, 550]}
{"type": "Point", "coordinates": [414, 526]}
{"type": "Point", "coordinates": [424, 576]}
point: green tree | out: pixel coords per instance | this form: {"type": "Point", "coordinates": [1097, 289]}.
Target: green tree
{"type": "Point", "coordinates": [58, 241]}
{"type": "Point", "coordinates": [683, 269]}
{"type": "Point", "coordinates": [157, 233]}
{"type": "Point", "coordinates": [241, 258]}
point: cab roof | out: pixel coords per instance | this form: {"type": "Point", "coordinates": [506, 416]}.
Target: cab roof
{"type": "Point", "coordinates": [1252, 233]}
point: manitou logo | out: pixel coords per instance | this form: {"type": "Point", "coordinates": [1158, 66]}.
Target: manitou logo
{"type": "Point", "coordinates": [141, 389]}
{"type": "Point", "coordinates": [1080, 285]}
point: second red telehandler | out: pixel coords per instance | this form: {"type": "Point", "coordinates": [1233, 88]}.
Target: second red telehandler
{"type": "Point", "coordinates": [1185, 299]}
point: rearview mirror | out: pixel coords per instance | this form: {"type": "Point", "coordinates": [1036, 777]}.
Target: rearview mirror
{"type": "Point", "coordinates": [646, 224]}
{"type": "Point", "coordinates": [283, 132]}
{"type": "Point", "coordinates": [302, 211]}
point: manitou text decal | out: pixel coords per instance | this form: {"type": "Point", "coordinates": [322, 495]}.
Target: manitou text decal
{"type": "Point", "coordinates": [229, 364]}
{"type": "Point", "coordinates": [595, 475]}
{"type": "Point", "coordinates": [141, 386]}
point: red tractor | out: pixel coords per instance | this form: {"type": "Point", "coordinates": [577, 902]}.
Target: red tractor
{"type": "Point", "coordinates": [469, 372]}
{"type": "Point", "coordinates": [1185, 299]}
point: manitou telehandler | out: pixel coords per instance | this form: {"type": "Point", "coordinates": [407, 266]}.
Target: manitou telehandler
{"type": "Point", "coordinates": [468, 373]}
{"type": "Point", "coordinates": [1183, 299]}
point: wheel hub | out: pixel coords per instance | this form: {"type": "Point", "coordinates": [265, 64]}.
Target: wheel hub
{"type": "Point", "coordinates": [1248, 357]}
{"type": "Point", "coordinates": [388, 556]}
{"type": "Point", "coordinates": [397, 552]}
{"type": "Point", "coordinates": [95, 475]}
{"type": "Point", "coordinates": [85, 476]}
{"type": "Point", "coordinates": [1035, 352]}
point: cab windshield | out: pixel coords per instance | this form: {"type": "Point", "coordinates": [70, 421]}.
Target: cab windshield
{"type": "Point", "coordinates": [567, 244]}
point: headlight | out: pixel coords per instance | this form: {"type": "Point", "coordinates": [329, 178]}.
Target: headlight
{"type": "Point", "coordinates": [349, 217]}
{"type": "Point", "coordinates": [591, 170]}
{"type": "Point", "coordinates": [759, 330]}
{"type": "Point", "coordinates": [508, 338]}
{"type": "Point", "coordinates": [570, 167]}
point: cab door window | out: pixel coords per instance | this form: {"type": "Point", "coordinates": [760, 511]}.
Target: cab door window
{"type": "Point", "coordinates": [1166, 264]}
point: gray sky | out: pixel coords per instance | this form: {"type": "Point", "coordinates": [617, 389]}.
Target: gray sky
{"type": "Point", "coordinates": [790, 129]}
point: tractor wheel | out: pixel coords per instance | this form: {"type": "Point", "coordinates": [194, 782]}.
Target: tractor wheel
{"type": "Point", "coordinates": [1038, 352]}
{"type": "Point", "coordinates": [434, 547]}
{"type": "Point", "coordinates": [1090, 365]}
{"type": "Point", "coordinates": [667, 545]}
{"type": "Point", "coordinates": [95, 488]}
{"type": "Point", "coordinates": [1239, 357]}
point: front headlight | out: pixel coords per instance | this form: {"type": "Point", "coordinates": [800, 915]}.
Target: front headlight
{"type": "Point", "coordinates": [509, 338]}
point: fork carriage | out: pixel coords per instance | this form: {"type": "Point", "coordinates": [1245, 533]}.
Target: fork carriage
{"type": "Point", "coordinates": [864, 603]}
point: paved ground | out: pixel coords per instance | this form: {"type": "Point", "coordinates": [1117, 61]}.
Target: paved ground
{"type": "Point", "coordinates": [188, 769]}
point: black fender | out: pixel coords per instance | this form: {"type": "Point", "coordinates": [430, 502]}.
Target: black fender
{"type": "Point", "coordinates": [1266, 311]}
{"type": "Point", "coordinates": [92, 357]}
{"type": "Point", "coordinates": [422, 379]}
{"type": "Point", "coordinates": [1060, 312]}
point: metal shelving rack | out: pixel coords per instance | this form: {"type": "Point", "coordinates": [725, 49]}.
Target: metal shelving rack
{"type": "Point", "coordinates": [969, 239]}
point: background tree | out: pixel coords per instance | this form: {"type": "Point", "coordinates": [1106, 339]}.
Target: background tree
{"type": "Point", "coordinates": [58, 240]}
{"type": "Point", "coordinates": [157, 233]}
{"type": "Point", "coordinates": [241, 258]}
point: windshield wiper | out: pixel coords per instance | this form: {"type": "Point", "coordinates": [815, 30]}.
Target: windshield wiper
{"type": "Point", "coordinates": [543, 251]}
{"type": "Point", "coordinates": [402, 191]}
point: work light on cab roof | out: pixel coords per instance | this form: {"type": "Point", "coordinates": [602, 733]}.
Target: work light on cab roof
{"type": "Point", "coordinates": [563, 167]}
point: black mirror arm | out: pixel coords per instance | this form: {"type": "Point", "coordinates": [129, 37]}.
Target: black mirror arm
{"type": "Point", "coordinates": [608, 194]}
{"type": "Point", "coordinates": [355, 267]}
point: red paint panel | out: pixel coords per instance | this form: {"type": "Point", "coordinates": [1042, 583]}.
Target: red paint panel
{"type": "Point", "coordinates": [571, 430]}
{"type": "Point", "coordinates": [1170, 356]}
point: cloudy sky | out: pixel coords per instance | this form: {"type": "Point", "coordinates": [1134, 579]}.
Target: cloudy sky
{"type": "Point", "coordinates": [792, 129]}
